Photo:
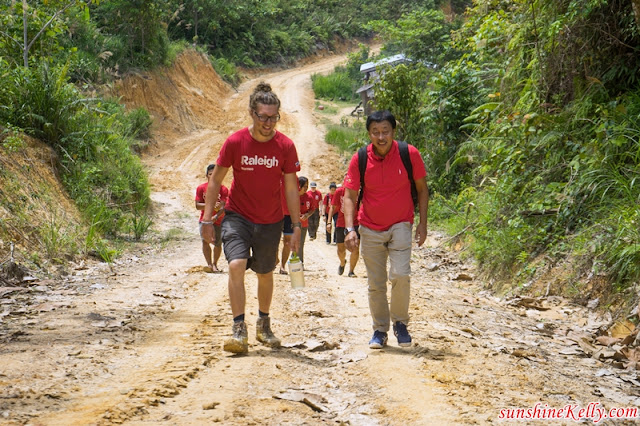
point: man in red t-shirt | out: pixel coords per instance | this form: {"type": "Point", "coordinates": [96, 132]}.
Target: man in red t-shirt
{"type": "Point", "coordinates": [314, 219]}
{"type": "Point", "coordinates": [386, 217]}
{"type": "Point", "coordinates": [337, 205]}
{"type": "Point", "coordinates": [260, 157]}
{"type": "Point", "coordinates": [201, 190]}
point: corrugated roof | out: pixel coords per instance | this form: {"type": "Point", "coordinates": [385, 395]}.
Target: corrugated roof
{"type": "Point", "coordinates": [369, 66]}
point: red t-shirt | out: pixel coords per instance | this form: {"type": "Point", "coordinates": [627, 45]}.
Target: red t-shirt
{"type": "Point", "coordinates": [338, 206]}
{"type": "Point", "coordinates": [306, 201]}
{"type": "Point", "coordinates": [317, 198]}
{"type": "Point", "coordinates": [387, 194]}
{"type": "Point", "coordinates": [326, 203]}
{"type": "Point", "coordinates": [257, 171]}
{"type": "Point", "coordinates": [201, 191]}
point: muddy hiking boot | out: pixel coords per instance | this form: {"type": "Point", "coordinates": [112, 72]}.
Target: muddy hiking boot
{"type": "Point", "coordinates": [402, 334]}
{"type": "Point", "coordinates": [264, 334]}
{"type": "Point", "coordinates": [238, 343]}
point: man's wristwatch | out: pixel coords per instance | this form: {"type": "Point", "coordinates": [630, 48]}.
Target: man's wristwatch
{"type": "Point", "coordinates": [347, 230]}
{"type": "Point", "coordinates": [296, 225]}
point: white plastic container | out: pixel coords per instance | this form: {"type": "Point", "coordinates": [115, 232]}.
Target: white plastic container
{"type": "Point", "coordinates": [296, 271]}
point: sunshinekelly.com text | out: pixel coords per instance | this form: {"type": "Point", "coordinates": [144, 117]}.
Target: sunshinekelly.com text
{"type": "Point", "coordinates": [594, 411]}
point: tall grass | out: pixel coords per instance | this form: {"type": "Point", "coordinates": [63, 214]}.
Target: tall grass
{"type": "Point", "coordinates": [93, 140]}
{"type": "Point", "coordinates": [336, 86]}
{"type": "Point", "coordinates": [346, 139]}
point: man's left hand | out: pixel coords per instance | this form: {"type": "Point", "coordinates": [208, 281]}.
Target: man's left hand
{"type": "Point", "coordinates": [421, 234]}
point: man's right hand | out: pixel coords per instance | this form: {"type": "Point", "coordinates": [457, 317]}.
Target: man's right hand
{"type": "Point", "coordinates": [207, 233]}
{"type": "Point", "coordinates": [351, 241]}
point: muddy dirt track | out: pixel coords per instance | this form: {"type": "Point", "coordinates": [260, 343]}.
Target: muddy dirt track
{"type": "Point", "coordinates": [139, 342]}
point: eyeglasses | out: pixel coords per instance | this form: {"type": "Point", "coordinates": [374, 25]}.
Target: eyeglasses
{"type": "Point", "coordinates": [380, 134]}
{"type": "Point", "coordinates": [265, 118]}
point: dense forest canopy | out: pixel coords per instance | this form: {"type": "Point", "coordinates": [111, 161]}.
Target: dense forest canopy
{"type": "Point", "coordinates": [526, 112]}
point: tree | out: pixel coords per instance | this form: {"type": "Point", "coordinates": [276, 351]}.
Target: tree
{"type": "Point", "coordinates": [25, 45]}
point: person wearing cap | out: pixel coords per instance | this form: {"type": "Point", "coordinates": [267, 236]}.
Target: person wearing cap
{"type": "Point", "coordinates": [386, 213]}
{"type": "Point", "coordinates": [260, 157]}
{"type": "Point", "coordinates": [314, 219]}
{"type": "Point", "coordinates": [326, 204]}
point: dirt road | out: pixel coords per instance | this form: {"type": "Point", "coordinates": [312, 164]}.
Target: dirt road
{"type": "Point", "coordinates": [140, 342]}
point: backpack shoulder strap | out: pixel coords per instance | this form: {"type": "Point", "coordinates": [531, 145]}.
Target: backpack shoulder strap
{"type": "Point", "coordinates": [362, 166]}
{"type": "Point", "coordinates": [403, 147]}
{"type": "Point", "coordinates": [406, 160]}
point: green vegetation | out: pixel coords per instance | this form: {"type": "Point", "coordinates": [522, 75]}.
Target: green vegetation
{"type": "Point", "coordinates": [347, 138]}
{"type": "Point", "coordinates": [337, 85]}
{"type": "Point", "coordinates": [527, 115]}
{"type": "Point", "coordinates": [54, 53]}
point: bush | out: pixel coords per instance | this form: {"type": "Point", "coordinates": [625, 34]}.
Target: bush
{"type": "Point", "coordinates": [347, 139]}
{"type": "Point", "coordinates": [337, 85]}
{"type": "Point", "coordinates": [99, 170]}
{"type": "Point", "coordinates": [226, 70]}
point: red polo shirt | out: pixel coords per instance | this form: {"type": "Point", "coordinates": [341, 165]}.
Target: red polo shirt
{"type": "Point", "coordinates": [338, 206]}
{"type": "Point", "coordinates": [387, 194]}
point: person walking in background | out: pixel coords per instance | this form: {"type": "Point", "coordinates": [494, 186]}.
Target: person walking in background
{"type": "Point", "coordinates": [260, 157]}
{"type": "Point", "coordinates": [305, 205]}
{"type": "Point", "coordinates": [386, 216]}
{"type": "Point", "coordinates": [287, 232]}
{"type": "Point", "coordinates": [314, 219]}
{"type": "Point", "coordinates": [326, 204]}
{"type": "Point", "coordinates": [306, 202]}
{"type": "Point", "coordinates": [337, 205]}
{"type": "Point", "coordinates": [218, 209]}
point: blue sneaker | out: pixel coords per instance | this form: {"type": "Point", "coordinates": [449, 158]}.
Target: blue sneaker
{"type": "Point", "coordinates": [379, 340]}
{"type": "Point", "coordinates": [400, 331]}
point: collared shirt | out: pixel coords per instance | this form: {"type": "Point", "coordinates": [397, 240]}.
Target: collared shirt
{"type": "Point", "coordinates": [387, 194]}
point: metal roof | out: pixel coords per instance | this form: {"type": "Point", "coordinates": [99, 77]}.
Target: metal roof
{"type": "Point", "coordinates": [370, 66]}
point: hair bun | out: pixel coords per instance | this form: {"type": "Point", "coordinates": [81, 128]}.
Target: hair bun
{"type": "Point", "coordinates": [263, 87]}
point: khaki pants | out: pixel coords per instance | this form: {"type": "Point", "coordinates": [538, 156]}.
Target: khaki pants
{"type": "Point", "coordinates": [375, 248]}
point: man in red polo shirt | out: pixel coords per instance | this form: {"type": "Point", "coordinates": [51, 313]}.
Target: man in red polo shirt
{"type": "Point", "coordinates": [260, 157]}
{"type": "Point", "coordinates": [386, 218]}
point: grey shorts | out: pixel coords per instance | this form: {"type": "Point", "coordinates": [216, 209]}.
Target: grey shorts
{"type": "Point", "coordinates": [258, 243]}
{"type": "Point", "coordinates": [217, 230]}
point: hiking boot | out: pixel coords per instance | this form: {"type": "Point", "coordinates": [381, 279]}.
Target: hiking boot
{"type": "Point", "coordinates": [264, 334]}
{"type": "Point", "coordinates": [379, 340]}
{"type": "Point", "coordinates": [400, 331]}
{"type": "Point", "coordinates": [341, 269]}
{"type": "Point", "coordinates": [238, 343]}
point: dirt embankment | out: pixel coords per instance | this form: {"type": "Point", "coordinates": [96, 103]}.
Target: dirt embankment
{"type": "Point", "coordinates": [35, 209]}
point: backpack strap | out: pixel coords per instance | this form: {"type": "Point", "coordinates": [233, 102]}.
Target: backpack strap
{"type": "Point", "coordinates": [362, 166]}
{"type": "Point", "coordinates": [403, 147]}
